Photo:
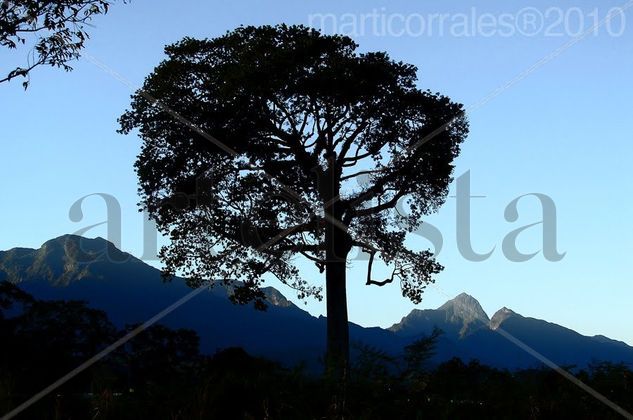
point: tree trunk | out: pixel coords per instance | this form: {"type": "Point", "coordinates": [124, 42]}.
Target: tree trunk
{"type": "Point", "coordinates": [337, 246]}
{"type": "Point", "coordinates": [337, 357]}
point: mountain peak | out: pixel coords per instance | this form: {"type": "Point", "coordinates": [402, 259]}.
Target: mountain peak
{"type": "Point", "coordinates": [466, 307]}
{"type": "Point", "coordinates": [85, 244]}
{"type": "Point", "coordinates": [500, 316]}
{"type": "Point", "coordinates": [458, 318]}
{"type": "Point", "coordinates": [462, 298]}
{"type": "Point", "coordinates": [276, 298]}
{"type": "Point", "coordinates": [465, 310]}
{"type": "Point", "coordinates": [61, 260]}
{"type": "Point", "coordinates": [85, 250]}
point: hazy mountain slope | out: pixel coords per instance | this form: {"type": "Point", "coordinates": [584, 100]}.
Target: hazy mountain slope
{"type": "Point", "coordinates": [559, 344]}
{"type": "Point", "coordinates": [470, 335]}
{"type": "Point", "coordinates": [130, 291]}
{"type": "Point", "coordinates": [457, 318]}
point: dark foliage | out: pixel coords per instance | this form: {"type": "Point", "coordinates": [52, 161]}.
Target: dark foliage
{"type": "Point", "coordinates": [270, 143]}
{"type": "Point", "coordinates": [54, 29]}
{"type": "Point", "coordinates": [298, 117]}
{"type": "Point", "coordinates": [161, 375]}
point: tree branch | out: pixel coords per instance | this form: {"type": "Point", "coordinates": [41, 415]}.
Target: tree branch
{"type": "Point", "coordinates": [380, 207]}
{"type": "Point", "coordinates": [350, 140]}
{"type": "Point", "coordinates": [372, 251]}
{"type": "Point", "coordinates": [343, 178]}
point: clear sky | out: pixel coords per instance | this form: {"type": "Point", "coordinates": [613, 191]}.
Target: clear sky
{"type": "Point", "coordinates": [562, 130]}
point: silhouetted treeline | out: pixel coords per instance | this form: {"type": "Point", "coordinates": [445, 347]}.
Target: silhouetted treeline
{"type": "Point", "coordinates": [160, 374]}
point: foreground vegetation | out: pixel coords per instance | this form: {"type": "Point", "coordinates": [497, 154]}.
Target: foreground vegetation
{"type": "Point", "coordinates": [160, 374]}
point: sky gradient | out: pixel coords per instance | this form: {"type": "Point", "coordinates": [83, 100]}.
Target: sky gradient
{"type": "Point", "coordinates": [562, 130]}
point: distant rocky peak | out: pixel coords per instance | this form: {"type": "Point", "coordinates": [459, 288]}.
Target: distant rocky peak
{"type": "Point", "coordinates": [61, 260]}
{"type": "Point", "coordinates": [275, 298]}
{"type": "Point", "coordinates": [465, 311]}
{"type": "Point", "coordinates": [465, 307]}
{"type": "Point", "coordinates": [500, 316]}
{"type": "Point", "coordinates": [73, 246]}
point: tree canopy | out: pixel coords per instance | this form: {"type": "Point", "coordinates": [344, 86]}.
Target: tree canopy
{"type": "Point", "coordinates": [302, 116]}
{"type": "Point", "coordinates": [276, 141]}
{"type": "Point", "coordinates": [55, 30]}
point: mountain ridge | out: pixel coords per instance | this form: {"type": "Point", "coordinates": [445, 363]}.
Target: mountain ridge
{"type": "Point", "coordinates": [130, 291]}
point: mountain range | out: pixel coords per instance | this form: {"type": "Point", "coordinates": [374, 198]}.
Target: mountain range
{"type": "Point", "coordinates": [130, 291]}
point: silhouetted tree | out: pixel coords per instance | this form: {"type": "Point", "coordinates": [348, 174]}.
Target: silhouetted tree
{"type": "Point", "coordinates": [615, 380]}
{"type": "Point", "coordinates": [372, 364]}
{"type": "Point", "coordinates": [417, 356]}
{"type": "Point", "coordinates": [160, 353]}
{"type": "Point", "coordinates": [42, 341]}
{"type": "Point", "coordinates": [56, 30]}
{"type": "Point", "coordinates": [13, 299]}
{"type": "Point", "coordinates": [253, 147]}
{"type": "Point", "coordinates": [160, 374]}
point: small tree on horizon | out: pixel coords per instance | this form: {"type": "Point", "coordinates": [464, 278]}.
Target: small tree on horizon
{"type": "Point", "coordinates": [253, 152]}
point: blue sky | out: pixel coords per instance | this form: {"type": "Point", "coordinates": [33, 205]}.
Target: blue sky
{"type": "Point", "coordinates": [563, 131]}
